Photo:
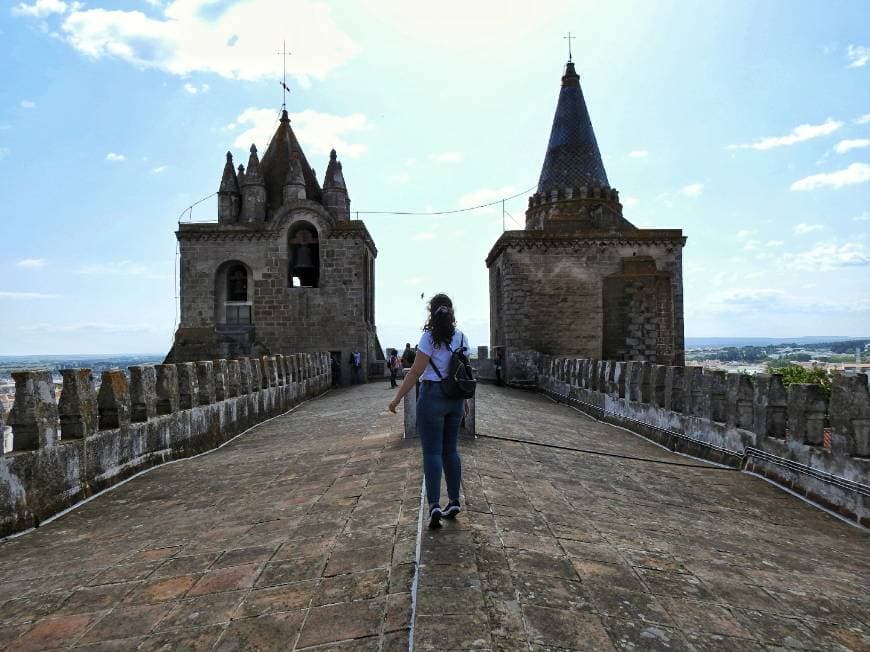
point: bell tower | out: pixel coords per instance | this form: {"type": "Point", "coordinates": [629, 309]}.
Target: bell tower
{"type": "Point", "coordinates": [283, 268]}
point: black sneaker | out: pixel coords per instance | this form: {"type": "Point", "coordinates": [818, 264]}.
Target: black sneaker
{"type": "Point", "coordinates": [451, 510]}
{"type": "Point", "coordinates": [435, 515]}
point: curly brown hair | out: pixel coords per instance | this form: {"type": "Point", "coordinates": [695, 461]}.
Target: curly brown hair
{"type": "Point", "coordinates": [442, 322]}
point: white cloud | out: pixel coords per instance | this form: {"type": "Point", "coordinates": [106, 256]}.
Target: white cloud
{"type": "Point", "coordinates": [485, 196]}
{"type": "Point", "coordinates": [320, 132]}
{"type": "Point", "coordinates": [855, 173]}
{"type": "Point", "coordinates": [863, 217]}
{"type": "Point", "coordinates": [692, 190]}
{"type": "Point", "coordinates": [751, 245]}
{"type": "Point", "coordinates": [447, 157]}
{"type": "Point", "coordinates": [159, 169]}
{"type": "Point", "coordinates": [764, 300]}
{"type": "Point", "coordinates": [118, 158]}
{"type": "Point", "coordinates": [629, 201]}
{"type": "Point", "coordinates": [753, 275]}
{"type": "Point", "coordinates": [856, 143]}
{"type": "Point", "coordinates": [862, 119]}
{"type": "Point", "coordinates": [25, 296]}
{"type": "Point", "coordinates": [639, 153]}
{"type": "Point", "coordinates": [27, 104]}
{"type": "Point", "coordinates": [42, 8]}
{"type": "Point", "coordinates": [424, 235]}
{"type": "Point", "coordinates": [399, 178]}
{"type": "Point", "coordinates": [799, 134]}
{"type": "Point", "coordinates": [774, 243]}
{"type": "Point", "coordinates": [119, 268]}
{"type": "Point", "coordinates": [90, 327]}
{"type": "Point", "coordinates": [31, 262]}
{"type": "Point", "coordinates": [802, 229]}
{"type": "Point", "coordinates": [742, 234]}
{"type": "Point", "coordinates": [222, 38]}
{"type": "Point", "coordinates": [193, 89]}
{"type": "Point", "coordinates": [827, 256]}
{"type": "Point", "coordinates": [858, 56]}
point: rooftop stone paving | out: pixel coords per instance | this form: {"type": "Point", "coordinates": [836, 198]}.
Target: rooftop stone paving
{"type": "Point", "coordinates": [302, 533]}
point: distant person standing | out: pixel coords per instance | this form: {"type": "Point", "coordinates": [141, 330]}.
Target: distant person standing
{"type": "Point", "coordinates": [336, 369]}
{"type": "Point", "coordinates": [394, 365]}
{"type": "Point", "coordinates": [499, 363]}
{"type": "Point", "coordinates": [438, 416]}
{"type": "Point", "coordinates": [408, 356]}
{"type": "Point", "coordinates": [356, 367]}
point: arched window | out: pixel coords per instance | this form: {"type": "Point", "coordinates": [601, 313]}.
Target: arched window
{"type": "Point", "coordinates": [304, 250]}
{"type": "Point", "coordinates": [232, 295]}
{"type": "Point", "coordinates": [237, 283]}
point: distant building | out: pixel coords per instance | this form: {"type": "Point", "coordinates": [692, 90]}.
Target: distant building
{"type": "Point", "coordinates": [581, 280]}
{"type": "Point", "coordinates": [284, 268]}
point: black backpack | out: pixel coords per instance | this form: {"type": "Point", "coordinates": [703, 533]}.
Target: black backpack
{"type": "Point", "coordinates": [460, 381]}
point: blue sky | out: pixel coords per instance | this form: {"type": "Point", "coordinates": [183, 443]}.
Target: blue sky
{"type": "Point", "coordinates": [745, 124]}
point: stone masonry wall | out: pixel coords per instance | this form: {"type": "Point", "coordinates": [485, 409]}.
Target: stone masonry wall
{"type": "Point", "coordinates": [330, 317]}
{"type": "Point", "coordinates": [548, 296]}
{"type": "Point", "coordinates": [64, 451]}
{"type": "Point", "coordinates": [750, 422]}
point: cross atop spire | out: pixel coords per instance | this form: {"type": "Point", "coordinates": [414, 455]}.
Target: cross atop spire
{"type": "Point", "coordinates": [284, 86]}
{"type": "Point", "coordinates": [569, 38]}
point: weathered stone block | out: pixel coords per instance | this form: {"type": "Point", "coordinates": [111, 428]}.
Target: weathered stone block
{"type": "Point", "coordinates": [770, 406]}
{"type": "Point", "coordinates": [113, 400]}
{"type": "Point", "coordinates": [716, 381]}
{"type": "Point", "coordinates": [143, 392]}
{"type": "Point", "coordinates": [634, 379]}
{"type": "Point", "coordinates": [646, 382]}
{"type": "Point", "coordinates": [279, 370]}
{"type": "Point", "coordinates": [256, 374]}
{"type": "Point", "coordinates": [205, 382]}
{"type": "Point", "coordinates": [167, 388]}
{"type": "Point", "coordinates": [807, 405]}
{"type": "Point", "coordinates": [697, 392]}
{"type": "Point", "coordinates": [620, 374]}
{"type": "Point", "coordinates": [233, 378]}
{"type": "Point", "coordinates": [33, 417]}
{"type": "Point", "coordinates": [266, 371]}
{"type": "Point", "coordinates": [77, 406]}
{"type": "Point", "coordinates": [850, 415]}
{"type": "Point", "coordinates": [220, 380]}
{"type": "Point", "coordinates": [675, 395]}
{"type": "Point", "coordinates": [245, 376]}
{"type": "Point", "coordinates": [188, 390]}
{"type": "Point", "coordinates": [739, 408]}
{"type": "Point", "coordinates": [659, 375]}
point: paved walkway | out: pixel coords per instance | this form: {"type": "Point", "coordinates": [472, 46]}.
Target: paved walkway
{"type": "Point", "coordinates": [302, 535]}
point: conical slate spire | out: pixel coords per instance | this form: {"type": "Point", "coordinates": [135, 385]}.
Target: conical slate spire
{"type": "Point", "coordinates": [229, 181]}
{"type": "Point", "coordinates": [572, 159]}
{"type": "Point", "coordinates": [334, 178]}
{"type": "Point", "coordinates": [276, 160]}
{"type": "Point", "coordinates": [252, 176]}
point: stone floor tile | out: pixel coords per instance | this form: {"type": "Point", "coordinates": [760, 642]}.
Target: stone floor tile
{"type": "Point", "coordinates": [96, 598]}
{"type": "Point", "coordinates": [21, 610]}
{"type": "Point", "coordinates": [611, 575]}
{"type": "Point", "coordinates": [448, 601]}
{"type": "Point", "coordinates": [565, 629]}
{"type": "Point", "coordinates": [185, 565]}
{"type": "Point", "coordinates": [291, 570]}
{"type": "Point", "coordinates": [549, 591]}
{"type": "Point", "coordinates": [153, 554]}
{"type": "Point", "coordinates": [268, 632]}
{"type": "Point", "coordinates": [192, 639]}
{"type": "Point", "coordinates": [162, 589]}
{"type": "Point", "coordinates": [457, 632]}
{"type": "Point", "coordinates": [239, 556]}
{"type": "Point", "coordinates": [309, 547]}
{"type": "Point", "coordinates": [126, 572]}
{"type": "Point", "coordinates": [776, 630]}
{"type": "Point", "coordinates": [126, 622]}
{"type": "Point", "coordinates": [624, 604]}
{"type": "Point", "coordinates": [114, 645]}
{"type": "Point", "coordinates": [352, 586]}
{"type": "Point", "coordinates": [285, 597]}
{"type": "Point", "coordinates": [54, 632]}
{"type": "Point", "coordinates": [360, 559]}
{"type": "Point", "coordinates": [210, 609]}
{"type": "Point", "coordinates": [635, 635]}
{"type": "Point", "coordinates": [226, 579]}
{"type": "Point", "coordinates": [398, 615]}
{"type": "Point", "coordinates": [535, 563]}
{"type": "Point", "coordinates": [342, 621]}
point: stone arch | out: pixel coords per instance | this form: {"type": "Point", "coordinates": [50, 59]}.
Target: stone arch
{"type": "Point", "coordinates": [303, 253]}
{"type": "Point", "coordinates": [234, 293]}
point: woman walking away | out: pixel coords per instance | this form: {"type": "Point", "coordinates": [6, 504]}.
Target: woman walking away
{"type": "Point", "coordinates": [438, 417]}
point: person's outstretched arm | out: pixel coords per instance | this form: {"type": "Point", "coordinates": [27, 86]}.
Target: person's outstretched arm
{"type": "Point", "coordinates": [411, 378]}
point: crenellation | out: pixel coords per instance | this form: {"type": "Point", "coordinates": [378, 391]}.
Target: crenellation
{"type": "Point", "coordinates": [807, 406]}
{"type": "Point", "coordinates": [279, 370]}
{"type": "Point", "coordinates": [246, 380]}
{"type": "Point", "coordinates": [113, 400]}
{"type": "Point", "coordinates": [205, 385]}
{"type": "Point", "coordinates": [143, 393]}
{"type": "Point", "coordinates": [188, 389]}
{"type": "Point", "coordinates": [620, 375]}
{"type": "Point", "coordinates": [659, 376]}
{"type": "Point", "coordinates": [697, 392]}
{"type": "Point", "coordinates": [646, 382]}
{"type": "Point", "coordinates": [77, 406]}
{"type": "Point", "coordinates": [256, 374]}
{"type": "Point", "coordinates": [739, 411]}
{"type": "Point", "coordinates": [675, 393]}
{"type": "Point", "coordinates": [33, 416]}
{"type": "Point", "coordinates": [220, 380]}
{"type": "Point", "coordinates": [167, 388]}
{"type": "Point", "coordinates": [634, 380]}
{"type": "Point", "coordinates": [717, 382]}
{"type": "Point", "coordinates": [850, 416]}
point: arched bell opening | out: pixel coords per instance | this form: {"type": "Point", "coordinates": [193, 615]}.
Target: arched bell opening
{"type": "Point", "coordinates": [233, 294]}
{"type": "Point", "coordinates": [304, 252]}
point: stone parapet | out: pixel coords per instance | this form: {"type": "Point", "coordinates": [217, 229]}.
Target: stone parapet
{"type": "Point", "coordinates": [816, 446]}
{"type": "Point", "coordinates": [162, 412]}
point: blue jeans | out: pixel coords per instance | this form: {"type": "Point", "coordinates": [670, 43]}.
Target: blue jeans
{"type": "Point", "coordinates": [438, 420]}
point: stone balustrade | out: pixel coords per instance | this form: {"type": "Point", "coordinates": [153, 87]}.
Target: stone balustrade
{"type": "Point", "coordinates": [64, 450]}
{"type": "Point", "coordinates": [721, 416]}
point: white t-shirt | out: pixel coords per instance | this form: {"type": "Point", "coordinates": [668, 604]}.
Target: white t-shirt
{"type": "Point", "coordinates": [440, 355]}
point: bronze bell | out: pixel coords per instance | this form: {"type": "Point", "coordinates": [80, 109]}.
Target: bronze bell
{"type": "Point", "coordinates": [304, 257]}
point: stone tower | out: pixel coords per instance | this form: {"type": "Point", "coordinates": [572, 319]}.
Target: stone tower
{"type": "Point", "coordinates": [581, 280]}
{"type": "Point", "coordinates": [284, 268]}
